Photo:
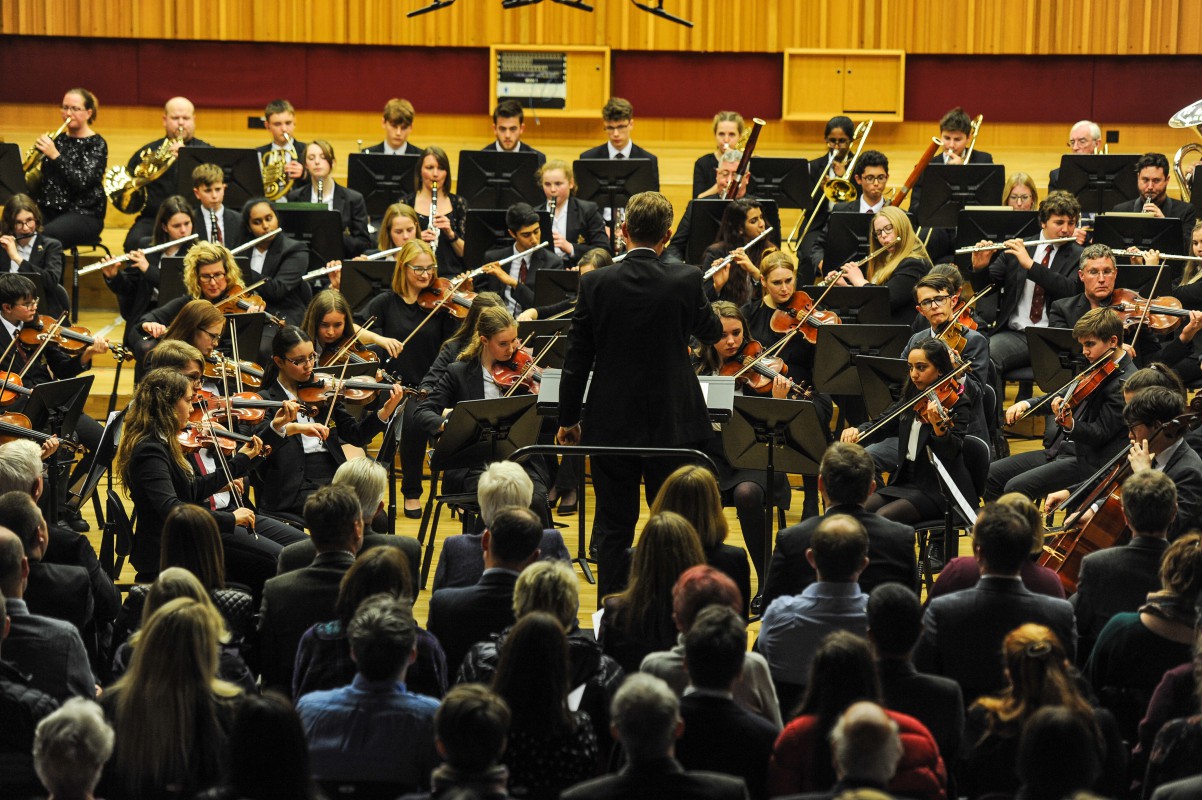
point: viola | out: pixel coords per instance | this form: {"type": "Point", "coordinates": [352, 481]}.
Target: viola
{"type": "Point", "coordinates": [322, 390]}
{"type": "Point", "coordinates": [1083, 387]}
{"type": "Point", "coordinates": [17, 426]}
{"type": "Point", "coordinates": [455, 300]}
{"type": "Point", "coordinates": [520, 370]}
{"type": "Point", "coordinates": [800, 312]}
{"type": "Point", "coordinates": [11, 388]}
{"type": "Point", "coordinates": [762, 372]}
{"type": "Point", "coordinates": [71, 339]}
{"type": "Point", "coordinates": [1164, 313]}
{"type": "Point", "coordinates": [244, 406]}
{"type": "Point", "coordinates": [242, 303]}
{"type": "Point", "coordinates": [223, 368]}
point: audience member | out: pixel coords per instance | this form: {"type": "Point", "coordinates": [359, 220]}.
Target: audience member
{"type": "Point", "coordinates": [638, 620]}
{"type": "Point", "coordinates": [1058, 755]}
{"type": "Point", "coordinates": [845, 480]}
{"type": "Point", "coordinates": [793, 627]}
{"type": "Point", "coordinates": [843, 673]}
{"type": "Point", "coordinates": [719, 734]}
{"type": "Point", "coordinates": [295, 601]}
{"type": "Point", "coordinates": [469, 733]}
{"type": "Point", "coordinates": [1175, 696]}
{"type": "Point", "coordinates": [963, 631]}
{"type": "Point", "coordinates": [21, 708]}
{"type": "Point", "coordinates": [646, 719]}
{"type": "Point", "coordinates": [459, 617]}
{"type": "Point", "coordinates": [550, 746]}
{"type": "Point", "coordinates": [1184, 789]}
{"type": "Point", "coordinates": [323, 657]}
{"type": "Point", "coordinates": [867, 748]}
{"type": "Point", "coordinates": [71, 748]}
{"type": "Point", "coordinates": [373, 731]}
{"type": "Point", "coordinates": [698, 588]}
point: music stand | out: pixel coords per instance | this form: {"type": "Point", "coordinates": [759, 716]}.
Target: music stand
{"type": "Point", "coordinates": [554, 285]}
{"type": "Point", "coordinates": [12, 177]}
{"type": "Point", "coordinates": [248, 329]}
{"type": "Point", "coordinates": [855, 305]}
{"type": "Point", "coordinates": [948, 188]}
{"type": "Point", "coordinates": [1055, 356]}
{"type": "Point", "coordinates": [55, 408]}
{"type": "Point", "coordinates": [485, 230]}
{"type": "Point", "coordinates": [611, 182]}
{"type": "Point", "coordinates": [784, 181]}
{"type": "Point", "coordinates": [1120, 231]}
{"type": "Point", "coordinates": [842, 345]}
{"type": "Point", "coordinates": [847, 238]}
{"type": "Point", "coordinates": [240, 165]}
{"type": "Point", "coordinates": [493, 179]}
{"type": "Point", "coordinates": [171, 276]}
{"type": "Point", "coordinates": [365, 369]}
{"type": "Point", "coordinates": [381, 179]}
{"type": "Point", "coordinates": [319, 228]}
{"type": "Point", "coordinates": [363, 280]}
{"type": "Point", "coordinates": [707, 218]}
{"type": "Point", "coordinates": [993, 226]}
{"type": "Point", "coordinates": [480, 432]}
{"type": "Point", "coordinates": [1099, 182]}
{"type": "Point", "coordinates": [536, 334]}
{"type": "Point", "coordinates": [1140, 278]}
{"type": "Point", "coordinates": [882, 380]}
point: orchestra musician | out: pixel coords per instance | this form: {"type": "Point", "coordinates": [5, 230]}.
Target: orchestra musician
{"type": "Point", "coordinates": [1152, 180]}
{"type": "Point", "coordinates": [871, 176]}
{"type": "Point", "coordinates": [838, 135]}
{"type": "Point", "coordinates": [281, 261]}
{"type": "Point", "coordinates": [1084, 138]}
{"type": "Point", "coordinates": [515, 281]}
{"type": "Point", "coordinates": [319, 163]}
{"type": "Point", "coordinates": [25, 248]}
{"type": "Point", "coordinates": [1088, 432]}
{"type": "Point", "coordinates": [739, 280]}
{"type": "Point", "coordinates": [617, 117]}
{"type": "Point", "coordinates": [201, 325]}
{"type": "Point", "coordinates": [955, 132]}
{"type": "Point", "coordinates": [576, 225]}
{"type": "Point", "coordinates": [728, 127]}
{"type": "Point", "coordinates": [652, 400]}
{"type": "Point", "coordinates": [212, 220]}
{"type": "Point", "coordinates": [901, 265]}
{"type": "Point", "coordinates": [445, 234]}
{"type": "Point", "coordinates": [728, 167]}
{"type": "Point", "coordinates": [72, 192]}
{"type": "Point", "coordinates": [1020, 193]}
{"type": "Point", "coordinates": [397, 125]}
{"type": "Point", "coordinates": [329, 322]}
{"type": "Point", "coordinates": [280, 119]}
{"type": "Point", "coordinates": [179, 130]}
{"type": "Point", "coordinates": [508, 125]}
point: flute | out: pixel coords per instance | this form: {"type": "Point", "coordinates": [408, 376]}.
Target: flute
{"type": "Point", "coordinates": [109, 262]}
{"type": "Point", "coordinates": [507, 260]}
{"type": "Point", "coordinates": [248, 245]}
{"type": "Point", "coordinates": [1163, 256]}
{"type": "Point", "coordinates": [709, 273]}
{"type": "Point", "coordinates": [317, 273]}
{"type": "Point", "coordinates": [1033, 243]}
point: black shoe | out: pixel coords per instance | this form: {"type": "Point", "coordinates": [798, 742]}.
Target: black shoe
{"type": "Point", "coordinates": [413, 513]}
{"type": "Point", "coordinates": [757, 605]}
{"type": "Point", "coordinates": [568, 504]}
{"type": "Point", "coordinates": [74, 520]}
{"type": "Point", "coordinates": [935, 555]}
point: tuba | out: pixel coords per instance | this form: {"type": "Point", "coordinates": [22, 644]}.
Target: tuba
{"type": "Point", "coordinates": [128, 192]}
{"type": "Point", "coordinates": [32, 165]}
{"type": "Point", "coordinates": [276, 183]}
{"type": "Point", "coordinates": [1188, 117]}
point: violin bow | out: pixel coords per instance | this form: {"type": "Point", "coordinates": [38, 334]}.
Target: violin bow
{"type": "Point", "coordinates": [339, 386]}
{"type": "Point", "coordinates": [245, 291]}
{"type": "Point", "coordinates": [46, 337]}
{"type": "Point", "coordinates": [769, 352]}
{"type": "Point", "coordinates": [218, 456]}
{"type": "Point", "coordinates": [967, 305]}
{"type": "Point", "coordinates": [353, 340]}
{"type": "Point", "coordinates": [1080, 375]}
{"type": "Point", "coordinates": [442, 301]}
{"type": "Point", "coordinates": [533, 363]}
{"type": "Point", "coordinates": [892, 415]}
{"type": "Point", "coordinates": [1143, 317]}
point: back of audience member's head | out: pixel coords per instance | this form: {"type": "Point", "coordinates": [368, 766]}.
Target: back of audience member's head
{"type": "Point", "coordinates": [842, 672]}
{"type": "Point", "coordinates": [503, 484]}
{"type": "Point", "coordinates": [514, 536]}
{"type": "Point", "coordinates": [1149, 502]}
{"type": "Point", "coordinates": [715, 647]}
{"type": "Point", "coordinates": [532, 675]}
{"type": "Point", "coordinates": [839, 548]}
{"type": "Point", "coordinates": [646, 715]}
{"type": "Point", "coordinates": [867, 745]}
{"type": "Point", "coordinates": [23, 517]}
{"type": "Point", "coordinates": [382, 635]}
{"type": "Point", "coordinates": [191, 540]}
{"type": "Point", "coordinates": [368, 479]}
{"type": "Point", "coordinates": [1019, 502]}
{"type": "Point", "coordinates": [12, 556]}
{"type": "Point", "coordinates": [380, 570]}
{"type": "Point", "coordinates": [1039, 674]}
{"type": "Point", "coordinates": [699, 587]}
{"type": "Point", "coordinates": [20, 466]}
{"type": "Point", "coordinates": [1181, 569]}
{"type": "Point", "coordinates": [692, 491]}
{"type": "Point", "coordinates": [70, 748]}
{"type": "Point", "coordinates": [894, 620]}
{"type": "Point", "coordinates": [550, 587]}
{"type": "Point", "coordinates": [1057, 754]}
{"type": "Point", "coordinates": [847, 472]}
{"type": "Point", "coordinates": [1002, 538]}
{"type": "Point", "coordinates": [667, 547]}
{"type": "Point", "coordinates": [268, 754]}
{"type": "Point", "coordinates": [332, 517]}
{"type": "Point", "coordinates": [471, 726]}
{"type": "Point", "coordinates": [172, 584]}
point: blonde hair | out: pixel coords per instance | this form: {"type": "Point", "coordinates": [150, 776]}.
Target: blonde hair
{"type": "Point", "coordinates": [1020, 179]}
{"type": "Point", "coordinates": [692, 492]}
{"type": "Point", "coordinates": [384, 237]}
{"type": "Point", "coordinates": [772, 261]}
{"type": "Point", "coordinates": [202, 254]}
{"type": "Point", "coordinates": [548, 586]}
{"type": "Point", "coordinates": [409, 253]}
{"type": "Point", "coordinates": [880, 268]}
{"type": "Point", "coordinates": [492, 321]}
{"type": "Point", "coordinates": [1193, 269]}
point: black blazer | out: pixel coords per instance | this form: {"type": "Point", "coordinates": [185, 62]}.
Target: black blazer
{"type": "Point", "coordinates": [299, 555]}
{"type": "Point", "coordinates": [934, 701]}
{"type": "Point", "coordinates": [1058, 279]}
{"type": "Point", "coordinates": [1171, 208]}
{"type": "Point", "coordinates": [231, 224]}
{"type": "Point", "coordinates": [461, 617]}
{"type": "Point", "coordinates": [1116, 580]}
{"type": "Point", "coordinates": [285, 294]}
{"type": "Point", "coordinates": [1065, 312]}
{"type": "Point", "coordinates": [61, 592]}
{"type": "Point", "coordinates": [901, 289]}
{"type": "Point", "coordinates": [658, 779]}
{"type": "Point", "coordinates": [949, 449]}
{"type": "Point", "coordinates": [1098, 428]}
{"type": "Point", "coordinates": [585, 230]}
{"type": "Point", "coordinates": [891, 556]}
{"type": "Point", "coordinates": [53, 360]}
{"type": "Point", "coordinates": [667, 305]}
{"type": "Point", "coordinates": [65, 546]}
{"type": "Point", "coordinates": [353, 209]}
{"type": "Point", "coordinates": [163, 186]}
{"type": "Point", "coordinates": [135, 291]}
{"type": "Point", "coordinates": [45, 268]}
{"type": "Point", "coordinates": [602, 151]}
{"type": "Point", "coordinates": [705, 173]}
{"type": "Point", "coordinates": [523, 293]}
{"type": "Point", "coordinates": [977, 157]}
{"type": "Point", "coordinates": [491, 147]}
{"type": "Point", "coordinates": [722, 736]}
{"type": "Point", "coordinates": [410, 149]}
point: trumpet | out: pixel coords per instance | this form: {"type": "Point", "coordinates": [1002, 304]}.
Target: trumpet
{"type": "Point", "coordinates": [974, 128]}
{"type": "Point", "coordinates": [842, 191]}
{"type": "Point", "coordinates": [1188, 117]}
{"type": "Point", "coordinates": [983, 248]}
{"type": "Point", "coordinates": [32, 165]}
{"type": "Point", "coordinates": [276, 182]}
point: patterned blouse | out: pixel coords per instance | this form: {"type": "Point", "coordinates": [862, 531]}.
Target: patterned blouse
{"type": "Point", "coordinates": [74, 182]}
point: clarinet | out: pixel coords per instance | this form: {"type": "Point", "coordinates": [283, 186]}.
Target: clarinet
{"type": "Point", "coordinates": [433, 213]}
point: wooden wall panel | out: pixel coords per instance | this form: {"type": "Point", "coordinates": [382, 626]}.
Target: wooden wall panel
{"type": "Point", "coordinates": [1020, 27]}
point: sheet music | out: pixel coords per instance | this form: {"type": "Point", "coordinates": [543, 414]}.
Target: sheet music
{"type": "Point", "coordinates": [966, 509]}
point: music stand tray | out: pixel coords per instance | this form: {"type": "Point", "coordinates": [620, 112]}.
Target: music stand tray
{"type": "Point", "coordinates": [485, 230]}
{"type": "Point", "coordinates": [718, 391]}
{"type": "Point", "coordinates": [707, 217]}
{"type": "Point", "coordinates": [611, 182]}
{"type": "Point", "coordinates": [319, 228]}
{"type": "Point", "coordinates": [241, 166]}
{"type": "Point", "coordinates": [479, 432]}
{"type": "Point", "coordinates": [381, 179]}
{"type": "Point", "coordinates": [537, 333]}
{"type": "Point", "coordinates": [993, 226]}
{"type": "Point", "coordinates": [363, 280]}
{"type": "Point", "coordinates": [248, 328]}
{"type": "Point", "coordinates": [1099, 182]}
{"type": "Point", "coordinates": [12, 177]}
{"type": "Point", "coordinates": [948, 188]}
{"type": "Point", "coordinates": [492, 179]}
{"type": "Point", "coordinates": [554, 285]}
{"type": "Point", "coordinates": [842, 345]}
{"type": "Point", "coordinates": [55, 407]}
{"type": "Point", "coordinates": [855, 305]}
{"type": "Point", "coordinates": [784, 181]}
{"type": "Point", "coordinates": [1055, 357]}
{"type": "Point", "coordinates": [882, 380]}
{"type": "Point", "coordinates": [846, 238]}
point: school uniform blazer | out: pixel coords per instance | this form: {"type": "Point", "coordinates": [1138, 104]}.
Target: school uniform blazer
{"type": "Point", "coordinates": [585, 229]}
{"type": "Point", "coordinates": [410, 149]}
{"type": "Point", "coordinates": [231, 225]}
{"type": "Point", "coordinates": [285, 294]}
{"type": "Point", "coordinates": [947, 448]}
{"type": "Point", "coordinates": [602, 151]}
{"type": "Point", "coordinates": [1058, 279]}
{"type": "Point", "coordinates": [491, 147]}
{"type": "Point", "coordinates": [44, 267]}
{"type": "Point", "coordinates": [353, 209]}
{"type": "Point", "coordinates": [53, 360]}
{"type": "Point", "coordinates": [523, 292]}
{"type": "Point", "coordinates": [1065, 312]}
{"type": "Point", "coordinates": [135, 295]}
{"type": "Point", "coordinates": [462, 380]}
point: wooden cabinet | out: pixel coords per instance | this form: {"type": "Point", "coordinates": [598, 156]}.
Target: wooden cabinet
{"type": "Point", "coordinates": [565, 82]}
{"type": "Point", "coordinates": [820, 84]}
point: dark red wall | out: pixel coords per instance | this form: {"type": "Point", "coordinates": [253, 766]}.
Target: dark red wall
{"type": "Point", "coordinates": [455, 81]}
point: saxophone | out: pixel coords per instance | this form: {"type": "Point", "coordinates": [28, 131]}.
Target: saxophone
{"type": "Point", "coordinates": [128, 192]}
{"type": "Point", "coordinates": [32, 165]}
{"type": "Point", "coordinates": [275, 183]}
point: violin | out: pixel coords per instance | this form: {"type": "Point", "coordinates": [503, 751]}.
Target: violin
{"type": "Point", "coordinates": [954, 336]}
{"type": "Point", "coordinates": [11, 388]}
{"type": "Point", "coordinates": [1164, 313]}
{"type": "Point", "coordinates": [443, 293]}
{"type": "Point", "coordinates": [944, 395]}
{"type": "Point", "coordinates": [242, 303]}
{"type": "Point", "coordinates": [200, 433]}
{"type": "Point", "coordinates": [71, 339]}
{"type": "Point", "coordinates": [749, 369]}
{"type": "Point", "coordinates": [244, 406]}
{"type": "Point", "coordinates": [1083, 386]}
{"type": "Point", "coordinates": [520, 370]}
{"type": "Point", "coordinates": [353, 390]}
{"type": "Point", "coordinates": [800, 313]}
{"type": "Point", "coordinates": [216, 368]}
{"type": "Point", "coordinates": [336, 356]}
{"type": "Point", "coordinates": [17, 426]}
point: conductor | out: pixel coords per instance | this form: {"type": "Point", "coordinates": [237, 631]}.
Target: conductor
{"type": "Point", "coordinates": [631, 330]}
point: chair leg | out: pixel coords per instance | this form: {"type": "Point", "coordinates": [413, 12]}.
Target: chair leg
{"type": "Point", "coordinates": [428, 556]}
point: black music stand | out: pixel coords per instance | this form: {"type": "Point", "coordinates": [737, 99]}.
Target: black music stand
{"type": "Point", "coordinates": [842, 345]}
{"type": "Point", "coordinates": [316, 226]}
{"type": "Point", "coordinates": [363, 280]}
{"type": "Point", "coordinates": [847, 238]}
{"type": "Point", "coordinates": [611, 182]}
{"type": "Point", "coordinates": [707, 217]}
{"type": "Point", "coordinates": [1055, 357]}
{"type": "Point", "coordinates": [948, 188]}
{"type": "Point", "coordinates": [1140, 277]}
{"type": "Point", "coordinates": [248, 329]}
{"type": "Point", "coordinates": [855, 305]}
{"type": "Point", "coordinates": [784, 181]}
{"type": "Point", "coordinates": [381, 179]}
{"type": "Point", "coordinates": [1120, 231]}
{"type": "Point", "coordinates": [1099, 182]}
{"type": "Point", "coordinates": [12, 177]}
{"type": "Point", "coordinates": [493, 179]}
{"type": "Point", "coordinates": [485, 230]}
{"type": "Point", "coordinates": [55, 408]}
{"type": "Point", "coordinates": [537, 334]}
{"type": "Point", "coordinates": [554, 285]}
{"type": "Point", "coordinates": [243, 173]}
{"type": "Point", "coordinates": [882, 380]}
{"type": "Point", "coordinates": [993, 226]}
{"type": "Point", "coordinates": [171, 276]}
{"type": "Point", "coordinates": [364, 369]}
{"type": "Point", "coordinates": [768, 434]}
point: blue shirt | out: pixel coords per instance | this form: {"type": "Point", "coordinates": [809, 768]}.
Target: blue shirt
{"type": "Point", "coordinates": [370, 731]}
{"type": "Point", "coordinates": [794, 626]}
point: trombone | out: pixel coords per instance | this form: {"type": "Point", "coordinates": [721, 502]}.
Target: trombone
{"type": "Point", "coordinates": [842, 190]}
{"type": "Point", "coordinates": [974, 128]}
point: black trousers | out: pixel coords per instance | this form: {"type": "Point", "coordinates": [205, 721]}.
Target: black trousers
{"type": "Point", "coordinates": [251, 558]}
{"type": "Point", "coordinates": [140, 233]}
{"type": "Point", "coordinates": [72, 229]}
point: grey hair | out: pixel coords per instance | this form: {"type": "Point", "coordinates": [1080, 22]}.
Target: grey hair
{"type": "Point", "coordinates": [866, 744]}
{"type": "Point", "coordinates": [20, 466]}
{"type": "Point", "coordinates": [368, 479]}
{"type": "Point", "coordinates": [646, 712]}
{"type": "Point", "coordinates": [730, 156]}
{"type": "Point", "coordinates": [1095, 131]}
{"type": "Point", "coordinates": [71, 747]}
{"type": "Point", "coordinates": [503, 484]}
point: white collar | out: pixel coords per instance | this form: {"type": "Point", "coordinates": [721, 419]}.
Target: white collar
{"type": "Point", "coordinates": [625, 151]}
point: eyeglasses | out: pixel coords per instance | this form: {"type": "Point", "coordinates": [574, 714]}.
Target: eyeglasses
{"type": "Point", "coordinates": [874, 178]}
{"type": "Point", "coordinates": [25, 223]}
{"type": "Point", "coordinates": [1019, 198]}
{"type": "Point", "coordinates": [1101, 273]}
{"type": "Point", "coordinates": [885, 231]}
{"type": "Point", "coordinates": [422, 270]}
{"type": "Point", "coordinates": [31, 303]}
{"type": "Point", "coordinates": [1082, 141]}
{"type": "Point", "coordinates": [214, 337]}
{"type": "Point", "coordinates": [621, 126]}
{"type": "Point", "coordinates": [931, 302]}
{"type": "Point", "coordinates": [73, 109]}
{"type": "Point", "coordinates": [303, 360]}
{"type": "Point", "coordinates": [211, 278]}
{"type": "Point", "coordinates": [196, 378]}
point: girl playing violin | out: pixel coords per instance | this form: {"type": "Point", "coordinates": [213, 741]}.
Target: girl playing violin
{"type": "Point", "coordinates": [445, 234]}
{"type": "Point", "coordinates": [307, 451]}
{"type": "Point", "coordinates": [911, 495]}
{"type": "Point", "coordinates": [200, 324]}
{"type": "Point", "coordinates": [330, 323]}
{"type": "Point", "coordinates": [904, 261]}
{"type": "Point", "coordinates": [738, 282]}
{"type": "Point", "coordinates": [460, 339]}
